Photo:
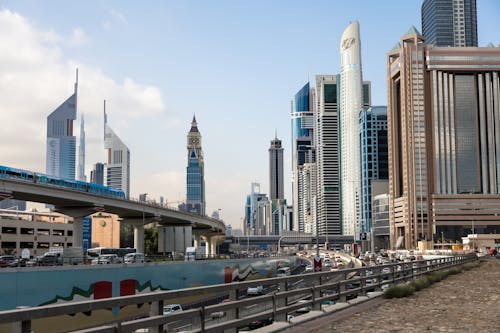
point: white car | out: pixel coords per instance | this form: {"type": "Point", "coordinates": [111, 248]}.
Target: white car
{"type": "Point", "coordinates": [132, 258]}
{"type": "Point", "coordinates": [252, 291]}
{"type": "Point", "coordinates": [105, 259]}
{"type": "Point", "coordinates": [171, 308]}
{"type": "Point", "coordinates": [309, 269]}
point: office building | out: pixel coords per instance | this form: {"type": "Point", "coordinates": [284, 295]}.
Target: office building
{"type": "Point", "coordinates": [97, 174]}
{"type": "Point", "coordinates": [374, 159]}
{"type": "Point", "coordinates": [81, 153]}
{"type": "Point", "coordinates": [450, 22]}
{"type": "Point", "coordinates": [354, 94]}
{"type": "Point", "coordinates": [61, 143]}
{"type": "Point", "coordinates": [302, 117]}
{"type": "Point", "coordinates": [117, 170]}
{"type": "Point", "coordinates": [444, 140]}
{"type": "Point", "coordinates": [195, 172]}
{"type": "Point", "coordinates": [327, 155]}
{"type": "Point", "coordinates": [276, 185]}
{"type": "Point", "coordinates": [380, 226]}
{"type": "Point", "coordinates": [255, 221]}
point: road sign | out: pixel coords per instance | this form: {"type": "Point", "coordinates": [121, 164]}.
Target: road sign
{"type": "Point", "coordinates": [317, 264]}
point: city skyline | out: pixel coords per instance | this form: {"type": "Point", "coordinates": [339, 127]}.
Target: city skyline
{"type": "Point", "coordinates": [150, 87]}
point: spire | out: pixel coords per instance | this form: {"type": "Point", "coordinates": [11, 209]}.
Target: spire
{"type": "Point", "coordinates": [76, 81]}
{"type": "Point", "coordinates": [105, 119]}
{"type": "Point", "coordinates": [194, 125]}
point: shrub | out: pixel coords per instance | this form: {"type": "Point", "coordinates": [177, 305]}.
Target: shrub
{"type": "Point", "coordinates": [399, 291]}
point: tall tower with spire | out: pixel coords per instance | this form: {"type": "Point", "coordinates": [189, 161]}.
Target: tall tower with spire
{"type": "Point", "coordinates": [276, 184]}
{"type": "Point", "coordinates": [61, 143]}
{"type": "Point", "coordinates": [195, 172]}
{"type": "Point", "coordinates": [81, 153]}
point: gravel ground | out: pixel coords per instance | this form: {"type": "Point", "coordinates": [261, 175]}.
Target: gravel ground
{"type": "Point", "coordinates": [466, 302]}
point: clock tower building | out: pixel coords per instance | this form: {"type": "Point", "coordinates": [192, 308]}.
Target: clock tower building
{"type": "Point", "coordinates": [195, 173]}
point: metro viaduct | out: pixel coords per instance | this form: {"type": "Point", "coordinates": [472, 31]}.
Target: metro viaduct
{"type": "Point", "coordinates": [78, 205]}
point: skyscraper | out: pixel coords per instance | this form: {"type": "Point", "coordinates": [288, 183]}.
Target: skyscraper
{"type": "Point", "coordinates": [61, 143]}
{"type": "Point", "coordinates": [117, 171]}
{"type": "Point", "coordinates": [97, 174]}
{"type": "Point", "coordinates": [276, 185]}
{"type": "Point", "coordinates": [450, 22]}
{"type": "Point", "coordinates": [351, 93]}
{"type": "Point", "coordinates": [374, 158]}
{"type": "Point", "coordinates": [328, 159]}
{"type": "Point", "coordinates": [195, 172]}
{"type": "Point", "coordinates": [444, 141]}
{"type": "Point", "coordinates": [81, 153]}
{"type": "Point", "coordinates": [302, 116]}
{"type": "Point", "coordinates": [256, 212]}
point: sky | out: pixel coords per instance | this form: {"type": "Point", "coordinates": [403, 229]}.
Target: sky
{"type": "Point", "coordinates": [236, 65]}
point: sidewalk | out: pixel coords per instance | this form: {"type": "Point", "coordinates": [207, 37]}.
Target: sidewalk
{"type": "Point", "coordinates": [466, 302]}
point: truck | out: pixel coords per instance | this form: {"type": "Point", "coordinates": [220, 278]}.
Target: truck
{"type": "Point", "coordinates": [195, 253]}
{"type": "Point", "coordinates": [62, 256]}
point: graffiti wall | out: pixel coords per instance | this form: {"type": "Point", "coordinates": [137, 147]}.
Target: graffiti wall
{"type": "Point", "coordinates": [48, 285]}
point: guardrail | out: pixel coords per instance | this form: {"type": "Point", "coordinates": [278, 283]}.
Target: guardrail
{"type": "Point", "coordinates": [313, 290]}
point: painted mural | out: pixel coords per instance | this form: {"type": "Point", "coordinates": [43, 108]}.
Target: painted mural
{"type": "Point", "coordinates": [49, 285]}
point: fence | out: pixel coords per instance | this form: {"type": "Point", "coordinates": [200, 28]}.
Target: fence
{"type": "Point", "coordinates": [280, 297]}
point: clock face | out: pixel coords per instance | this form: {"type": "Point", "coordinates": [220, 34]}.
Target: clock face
{"type": "Point", "coordinates": [194, 141]}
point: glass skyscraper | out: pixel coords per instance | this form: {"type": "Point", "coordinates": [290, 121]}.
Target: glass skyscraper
{"type": "Point", "coordinates": [444, 141]}
{"type": "Point", "coordinates": [276, 185]}
{"type": "Point", "coordinates": [195, 172]}
{"type": "Point", "coordinates": [302, 116]}
{"type": "Point", "coordinates": [374, 158]}
{"type": "Point", "coordinates": [81, 153]}
{"type": "Point", "coordinates": [61, 143]}
{"type": "Point", "coordinates": [328, 156]}
{"type": "Point", "coordinates": [450, 22]}
{"type": "Point", "coordinates": [117, 172]}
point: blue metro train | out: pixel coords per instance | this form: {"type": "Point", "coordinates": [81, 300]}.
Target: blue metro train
{"type": "Point", "coordinates": [40, 178]}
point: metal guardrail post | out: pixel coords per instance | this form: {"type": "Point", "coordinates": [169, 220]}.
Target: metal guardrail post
{"type": "Point", "coordinates": [156, 309]}
{"type": "Point", "coordinates": [202, 319]}
{"type": "Point", "coordinates": [232, 313]}
{"type": "Point", "coordinates": [316, 293]}
{"type": "Point", "coordinates": [341, 289]}
{"type": "Point", "coordinates": [22, 326]}
{"type": "Point", "coordinates": [281, 302]}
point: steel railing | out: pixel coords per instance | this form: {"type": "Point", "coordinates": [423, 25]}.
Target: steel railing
{"type": "Point", "coordinates": [313, 290]}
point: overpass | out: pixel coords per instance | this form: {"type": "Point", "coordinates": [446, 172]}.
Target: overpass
{"type": "Point", "coordinates": [79, 204]}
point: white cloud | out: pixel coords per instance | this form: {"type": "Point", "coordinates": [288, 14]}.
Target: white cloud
{"type": "Point", "coordinates": [36, 77]}
{"type": "Point", "coordinates": [78, 38]}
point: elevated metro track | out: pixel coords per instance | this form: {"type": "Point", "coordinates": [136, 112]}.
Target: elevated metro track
{"type": "Point", "coordinates": [79, 204]}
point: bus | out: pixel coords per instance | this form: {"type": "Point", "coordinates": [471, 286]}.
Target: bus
{"type": "Point", "coordinates": [120, 252]}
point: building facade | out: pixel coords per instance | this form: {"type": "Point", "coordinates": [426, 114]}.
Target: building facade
{"type": "Point", "coordinates": [276, 186]}
{"type": "Point", "coordinates": [256, 218]}
{"type": "Point", "coordinates": [81, 153]}
{"type": "Point", "coordinates": [117, 166]}
{"type": "Point", "coordinates": [195, 172]}
{"type": "Point", "coordinates": [450, 22]}
{"type": "Point", "coordinates": [302, 117]}
{"type": "Point", "coordinates": [351, 103]}
{"type": "Point", "coordinates": [61, 143]}
{"type": "Point", "coordinates": [381, 225]}
{"type": "Point", "coordinates": [327, 155]}
{"type": "Point", "coordinates": [97, 174]}
{"type": "Point", "coordinates": [374, 159]}
{"type": "Point", "coordinates": [444, 140]}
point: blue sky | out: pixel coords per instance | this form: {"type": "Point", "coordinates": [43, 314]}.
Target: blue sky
{"type": "Point", "coordinates": [235, 64]}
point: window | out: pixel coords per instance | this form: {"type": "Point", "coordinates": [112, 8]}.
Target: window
{"type": "Point", "coordinates": [27, 231]}
{"type": "Point", "coordinates": [26, 245]}
{"type": "Point", "coordinates": [43, 232]}
{"type": "Point", "coordinates": [57, 232]}
{"type": "Point", "coordinates": [9, 230]}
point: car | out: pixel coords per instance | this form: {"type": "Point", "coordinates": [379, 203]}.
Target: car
{"type": "Point", "coordinates": [5, 261]}
{"type": "Point", "coordinates": [309, 268]}
{"type": "Point", "coordinates": [171, 308]}
{"type": "Point", "coordinates": [106, 259]}
{"type": "Point", "coordinates": [260, 323]}
{"type": "Point", "coordinates": [257, 290]}
{"type": "Point", "coordinates": [132, 258]}
{"type": "Point", "coordinates": [21, 262]}
{"type": "Point", "coordinates": [304, 309]}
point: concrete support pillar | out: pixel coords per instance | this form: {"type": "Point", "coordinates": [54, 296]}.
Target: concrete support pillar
{"type": "Point", "coordinates": [213, 246]}
{"type": "Point", "coordinates": [139, 237]}
{"type": "Point", "coordinates": [78, 232]}
{"type": "Point", "coordinates": [208, 246]}
{"type": "Point", "coordinates": [197, 238]}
